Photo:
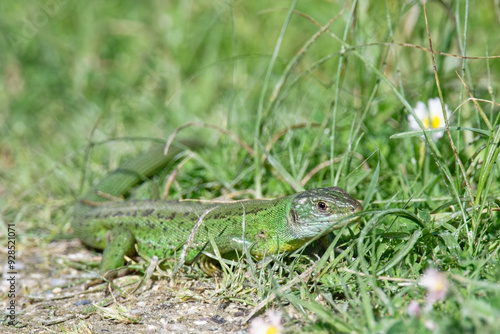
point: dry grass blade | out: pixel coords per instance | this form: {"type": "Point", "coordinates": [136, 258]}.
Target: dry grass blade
{"type": "Point", "coordinates": [445, 116]}
{"type": "Point", "coordinates": [170, 179]}
{"type": "Point", "coordinates": [210, 126]}
{"type": "Point", "coordinates": [316, 169]}
{"type": "Point", "coordinates": [189, 242]}
{"type": "Point", "coordinates": [478, 108]}
{"type": "Point", "coordinates": [282, 132]}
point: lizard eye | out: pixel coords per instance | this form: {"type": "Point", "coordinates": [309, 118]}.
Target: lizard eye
{"type": "Point", "coordinates": [321, 206]}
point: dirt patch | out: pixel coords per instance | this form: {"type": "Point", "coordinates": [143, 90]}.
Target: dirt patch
{"type": "Point", "coordinates": [51, 296]}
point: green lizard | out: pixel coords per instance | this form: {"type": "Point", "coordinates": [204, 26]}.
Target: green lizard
{"type": "Point", "coordinates": [163, 227]}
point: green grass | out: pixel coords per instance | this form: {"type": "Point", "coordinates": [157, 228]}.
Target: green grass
{"type": "Point", "coordinates": [119, 75]}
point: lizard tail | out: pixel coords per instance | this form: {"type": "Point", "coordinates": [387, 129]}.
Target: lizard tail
{"type": "Point", "coordinates": [118, 182]}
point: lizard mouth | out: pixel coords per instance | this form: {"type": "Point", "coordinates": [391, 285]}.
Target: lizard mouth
{"type": "Point", "coordinates": [357, 208]}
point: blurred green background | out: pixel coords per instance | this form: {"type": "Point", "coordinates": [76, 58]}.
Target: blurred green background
{"type": "Point", "coordinates": [141, 69]}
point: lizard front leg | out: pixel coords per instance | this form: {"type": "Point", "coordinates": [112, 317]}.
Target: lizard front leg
{"type": "Point", "coordinates": [227, 245]}
{"type": "Point", "coordinates": [120, 242]}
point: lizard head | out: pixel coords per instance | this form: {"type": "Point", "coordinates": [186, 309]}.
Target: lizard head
{"type": "Point", "coordinates": [319, 210]}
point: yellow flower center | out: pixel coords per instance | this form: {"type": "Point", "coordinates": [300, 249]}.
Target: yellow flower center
{"type": "Point", "coordinates": [436, 122]}
{"type": "Point", "coordinates": [272, 330]}
{"type": "Point", "coordinates": [425, 121]}
{"type": "Point", "coordinates": [439, 285]}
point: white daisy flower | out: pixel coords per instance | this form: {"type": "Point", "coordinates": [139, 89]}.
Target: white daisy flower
{"type": "Point", "coordinates": [413, 309]}
{"type": "Point", "coordinates": [271, 325]}
{"type": "Point", "coordinates": [431, 116]}
{"type": "Point", "coordinates": [437, 286]}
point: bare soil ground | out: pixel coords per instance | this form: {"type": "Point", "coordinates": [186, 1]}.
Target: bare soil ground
{"type": "Point", "coordinates": [51, 297]}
